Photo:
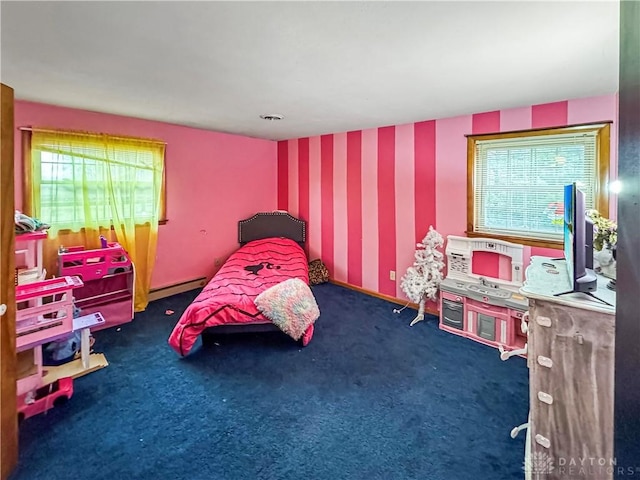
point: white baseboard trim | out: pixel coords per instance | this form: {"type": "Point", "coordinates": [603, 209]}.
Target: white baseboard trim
{"type": "Point", "coordinates": [163, 292]}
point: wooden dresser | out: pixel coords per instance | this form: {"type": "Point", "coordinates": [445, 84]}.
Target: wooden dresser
{"type": "Point", "coordinates": [571, 377]}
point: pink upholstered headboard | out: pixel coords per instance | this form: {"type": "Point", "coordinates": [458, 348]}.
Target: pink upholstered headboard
{"type": "Point", "coordinates": [272, 224]}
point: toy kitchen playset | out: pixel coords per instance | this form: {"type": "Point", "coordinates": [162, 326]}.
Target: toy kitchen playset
{"type": "Point", "coordinates": [485, 309]}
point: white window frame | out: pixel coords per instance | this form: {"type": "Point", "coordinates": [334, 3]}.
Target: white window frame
{"type": "Point", "coordinates": [597, 188]}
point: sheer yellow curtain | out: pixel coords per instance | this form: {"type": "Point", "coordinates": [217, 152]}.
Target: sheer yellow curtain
{"type": "Point", "coordinates": [84, 185]}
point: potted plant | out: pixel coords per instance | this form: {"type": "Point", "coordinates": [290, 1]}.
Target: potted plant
{"type": "Point", "coordinates": [605, 239]}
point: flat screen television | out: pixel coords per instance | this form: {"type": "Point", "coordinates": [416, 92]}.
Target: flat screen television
{"type": "Point", "coordinates": [578, 242]}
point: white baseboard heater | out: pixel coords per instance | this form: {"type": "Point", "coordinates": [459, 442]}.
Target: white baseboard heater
{"type": "Point", "coordinates": [163, 292]}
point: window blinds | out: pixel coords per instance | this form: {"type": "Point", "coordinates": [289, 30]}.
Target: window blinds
{"type": "Point", "coordinates": [81, 181]}
{"type": "Point", "coordinates": [73, 187]}
{"type": "Point", "coordinates": [518, 182]}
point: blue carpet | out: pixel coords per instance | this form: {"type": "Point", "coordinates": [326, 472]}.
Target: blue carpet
{"type": "Point", "coordinates": [369, 398]}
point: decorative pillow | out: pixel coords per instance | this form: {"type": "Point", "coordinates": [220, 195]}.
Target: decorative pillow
{"type": "Point", "coordinates": [318, 272]}
{"type": "Point", "coordinates": [290, 305]}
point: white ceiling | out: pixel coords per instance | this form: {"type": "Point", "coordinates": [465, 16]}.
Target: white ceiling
{"type": "Point", "coordinates": [326, 66]}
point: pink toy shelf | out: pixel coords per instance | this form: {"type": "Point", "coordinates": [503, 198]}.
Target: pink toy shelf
{"type": "Point", "coordinates": [108, 278]}
{"type": "Point", "coordinates": [93, 264]}
{"type": "Point", "coordinates": [45, 310]}
{"type": "Point", "coordinates": [45, 313]}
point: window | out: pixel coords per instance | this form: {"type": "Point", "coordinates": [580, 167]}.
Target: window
{"type": "Point", "coordinates": [515, 181]}
{"type": "Point", "coordinates": [80, 180]}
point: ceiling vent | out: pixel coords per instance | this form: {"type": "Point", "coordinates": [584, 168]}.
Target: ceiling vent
{"type": "Point", "coordinates": [272, 116]}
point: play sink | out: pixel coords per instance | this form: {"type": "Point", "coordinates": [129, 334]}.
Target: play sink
{"type": "Point", "coordinates": [489, 292]}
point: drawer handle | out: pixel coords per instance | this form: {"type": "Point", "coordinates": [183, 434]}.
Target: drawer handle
{"type": "Point", "coordinates": [545, 398]}
{"type": "Point", "coordinates": [545, 361]}
{"type": "Point", "coordinates": [543, 321]}
{"type": "Point", "coordinates": [453, 307]}
{"type": "Point", "coordinates": [544, 441]}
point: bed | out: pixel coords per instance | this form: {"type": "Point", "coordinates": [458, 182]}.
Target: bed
{"type": "Point", "coordinates": [271, 251]}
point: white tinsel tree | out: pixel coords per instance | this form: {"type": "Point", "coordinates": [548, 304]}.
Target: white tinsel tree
{"type": "Point", "coordinates": [421, 281]}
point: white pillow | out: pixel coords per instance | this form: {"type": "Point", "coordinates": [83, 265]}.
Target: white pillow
{"type": "Point", "coordinates": [290, 305]}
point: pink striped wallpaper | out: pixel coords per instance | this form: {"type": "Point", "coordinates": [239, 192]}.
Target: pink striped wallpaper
{"type": "Point", "coordinates": [369, 195]}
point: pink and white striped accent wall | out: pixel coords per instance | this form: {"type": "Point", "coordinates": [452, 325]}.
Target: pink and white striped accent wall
{"type": "Point", "coordinates": [368, 196]}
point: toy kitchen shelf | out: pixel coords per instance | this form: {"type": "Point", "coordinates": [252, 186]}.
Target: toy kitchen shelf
{"type": "Point", "coordinates": [487, 310]}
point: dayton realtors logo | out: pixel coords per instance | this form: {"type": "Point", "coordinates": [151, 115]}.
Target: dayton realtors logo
{"type": "Point", "coordinates": [539, 464]}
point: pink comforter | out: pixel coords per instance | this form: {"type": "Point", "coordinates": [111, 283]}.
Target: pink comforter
{"type": "Point", "coordinates": [228, 297]}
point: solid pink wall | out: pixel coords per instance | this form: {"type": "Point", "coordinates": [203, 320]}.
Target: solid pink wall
{"type": "Point", "coordinates": [411, 176]}
{"type": "Point", "coordinates": [213, 180]}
